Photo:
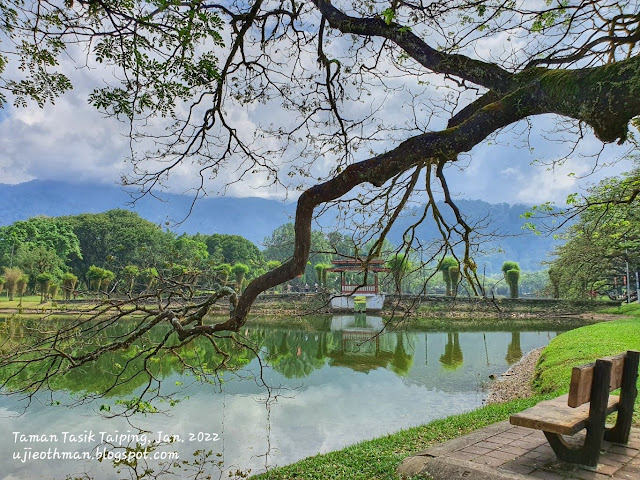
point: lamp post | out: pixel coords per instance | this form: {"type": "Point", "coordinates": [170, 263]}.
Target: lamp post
{"type": "Point", "coordinates": [484, 277]}
{"type": "Point", "coordinates": [626, 257]}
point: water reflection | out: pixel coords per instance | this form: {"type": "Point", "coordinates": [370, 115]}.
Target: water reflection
{"type": "Point", "coordinates": [340, 380]}
{"type": "Point", "coordinates": [452, 357]}
{"type": "Point", "coordinates": [514, 350]}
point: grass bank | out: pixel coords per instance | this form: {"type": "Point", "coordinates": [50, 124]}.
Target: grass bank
{"type": "Point", "coordinates": [585, 344]}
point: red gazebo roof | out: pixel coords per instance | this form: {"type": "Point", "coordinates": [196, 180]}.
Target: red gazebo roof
{"type": "Point", "coordinates": [344, 265]}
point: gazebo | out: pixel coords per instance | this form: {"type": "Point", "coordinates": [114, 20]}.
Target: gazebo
{"type": "Point", "coordinates": [348, 288]}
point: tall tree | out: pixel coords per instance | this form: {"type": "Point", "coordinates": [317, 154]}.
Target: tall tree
{"type": "Point", "coordinates": [605, 237]}
{"type": "Point", "coordinates": [117, 238]}
{"type": "Point", "coordinates": [239, 271]}
{"type": "Point", "coordinates": [399, 265]}
{"type": "Point", "coordinates": [69, 283]}
{"type": "Point", "coordinates": [11, 277]}
{"type": "Point", "coordinates": [511, 272]}
{"type": "Point", "coordinates": [233, 249]}
{"type": "Point", "coordinates": [445, 267]}
{"type": "Point", "coordinates": [43, 280]}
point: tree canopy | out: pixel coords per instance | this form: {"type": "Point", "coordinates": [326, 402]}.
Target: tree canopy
{"type": "Point", "coordinates": [604, 238]}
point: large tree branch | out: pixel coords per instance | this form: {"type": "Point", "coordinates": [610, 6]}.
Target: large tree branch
{"type": "Point", "coordinates": [488, 75]}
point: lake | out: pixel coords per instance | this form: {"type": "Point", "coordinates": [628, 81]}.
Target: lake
{"type": "Point", "coordinates": [331, 382]}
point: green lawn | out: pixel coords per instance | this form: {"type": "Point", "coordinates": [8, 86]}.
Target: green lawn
{"type": "Point", "coordinates": [584, 345]}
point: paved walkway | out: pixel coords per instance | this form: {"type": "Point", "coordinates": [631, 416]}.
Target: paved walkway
{"type": "Point", "coordinates": [504, 452]}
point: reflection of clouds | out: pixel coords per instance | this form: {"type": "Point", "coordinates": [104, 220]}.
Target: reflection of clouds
{"type": "Point", "coordinates": [335, 406]}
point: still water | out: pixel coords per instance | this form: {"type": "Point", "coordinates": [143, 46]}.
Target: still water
{"type": "Point", "coordinates": [330, 383]}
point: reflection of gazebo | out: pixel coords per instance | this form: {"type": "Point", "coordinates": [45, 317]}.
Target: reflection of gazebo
{"type": "Point", "coordinates": [348, 288]}
{"type": "Point", "coordinates": [360, 350]}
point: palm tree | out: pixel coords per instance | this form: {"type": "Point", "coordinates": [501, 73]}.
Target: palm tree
{"type": "Point", "coordinates": [53, 290]}
{"type": "Point", "coordinates": [11, 277]}
{"type": "Point", "coordinates": [21, 286]}
{"type": "Point", "coordinates": [223, 271]}
{"type": "Point", "coordinates": [511, 272]}
{"type": "Point", "coordinates": [43, 280]}
{"type": "Point", "coordinates": [130, 273]}
{"type": "Point", "coordinates": [239, 270]}
{"type": "Point", "coordinates": [444, 267]}
{"type": "Point", "coordinates": [69, 282]}
{"type": "Point", "coordinates": [399, 265]}
{"type": "Point", "coordinates": [454, 278]}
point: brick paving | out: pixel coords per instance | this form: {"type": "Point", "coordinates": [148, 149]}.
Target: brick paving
{"type": "Point", "coordinates": [503, 451]}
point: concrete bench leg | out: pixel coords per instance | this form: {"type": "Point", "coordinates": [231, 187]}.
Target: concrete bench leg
{"type": "Point", "coordinates": [589, 452]}
{"type": "Point", "coordinates": [628, 392]}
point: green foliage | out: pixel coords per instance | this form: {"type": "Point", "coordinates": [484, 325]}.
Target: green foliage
{"type": "Point", "coordinates": [509, 265]}
{"type": "Point", "coordinates": [117, 238]}
{"type": "Point", "coordinates": [388, 15]}
{"type": "Point", "coordinates": [239, 270]}
{"type": "Point", "coordinates": [35, 259]}
{"type": "Point", "coordinates": [190, 252]}
{"type": "Point", "coordinates": [444, 266]}
{"type": "Point", "coordinates": [11, 277]}
{"type": "Point", "coordinates": [99, 278]}
{"type": "Point", "coordinates": [232, 249]}
{"type": "Point", "coordinates": [158, 42]}
{"type": "Point", "coordinates": [399, 265]}
{"type": "Point", "coordinates": [69, 282]}
{"type": "Point", "coordinates": [273, 264]}
{"type": "Point", "coordinates": [53, 290]}
{"type": "Point", "coordinates": [222, 272]}
{"type": "Point", "coordinates": [321, 272]}
{"type": "Point", "coordinates": [149, 276]}
{"type": "Point", "coordinates": [454, 278]}
{"type": "Point", "coordinates": [513, 276]}
{"type": "Point", "coordinates": [43, 281]}
{"type": "Point", "coordinates": [279, 246]}
{"type": "Point", "coordinates": [598, 246]}
{"type": "Point", "coordinates": [51, 234]}
{"type": "Point", "coordinates": [21, 285]}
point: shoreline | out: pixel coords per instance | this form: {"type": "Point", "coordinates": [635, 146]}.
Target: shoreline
{"type": "Point", "coordinates": [515, 383]}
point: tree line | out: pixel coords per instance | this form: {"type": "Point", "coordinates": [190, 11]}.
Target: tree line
{"type": "Point", "coordinates": [602, 244]}
{"type": "Point", "coordinates": [119, 252]}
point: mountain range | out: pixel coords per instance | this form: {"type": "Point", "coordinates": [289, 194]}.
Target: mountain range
{"type": "Point", "coordinates": [256, 218]}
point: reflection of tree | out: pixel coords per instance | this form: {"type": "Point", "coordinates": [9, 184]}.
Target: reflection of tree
{"type": "Point", "coordinates": [452, 357]}
{"type": "Point", "coordinates": [121, 372]}
{"type": "Point", "coordinates": [514, 352]}
{"type": "Point", "coordinates": [285, 359]}
{"type": "Point", "coordinates": [402, 361]}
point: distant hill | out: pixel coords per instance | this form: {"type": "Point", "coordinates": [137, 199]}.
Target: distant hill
{"type": "Point", "coordinates": [252, 218]}
{"type": "Point", "coordinates": [256, 218]}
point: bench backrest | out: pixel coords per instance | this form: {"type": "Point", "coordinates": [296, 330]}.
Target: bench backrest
{"type": "Point", "coordinates": [582, 378]}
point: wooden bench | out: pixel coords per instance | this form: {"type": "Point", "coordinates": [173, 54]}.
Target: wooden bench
{"type": "Point", "coordinates": [587, 406]}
